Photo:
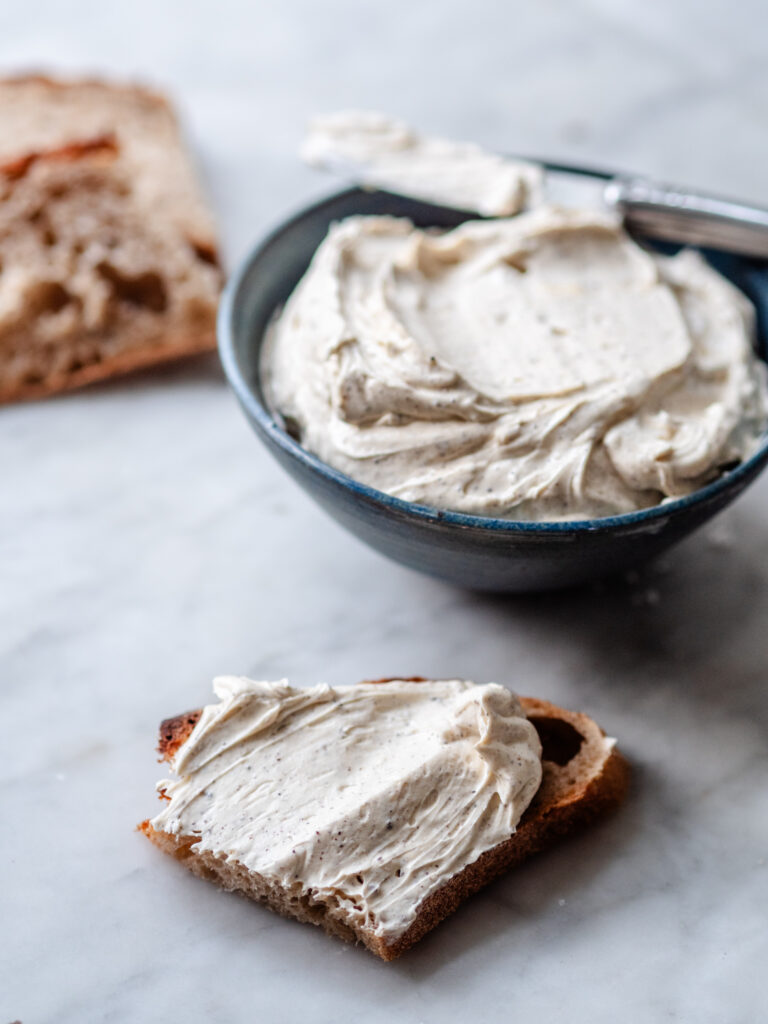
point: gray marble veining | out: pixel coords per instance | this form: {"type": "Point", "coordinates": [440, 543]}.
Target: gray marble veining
{"type": "Point", "coordinates": [148, 543]}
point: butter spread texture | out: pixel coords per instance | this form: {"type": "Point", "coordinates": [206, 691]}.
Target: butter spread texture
{"type": "Point", "coordinates": [371, 796]}
{"type": "Point", "coordinates": [542, 367]}
{"type": "Point", "coordinates": [384, 152]}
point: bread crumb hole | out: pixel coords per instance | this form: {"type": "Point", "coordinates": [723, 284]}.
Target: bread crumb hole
{"type": "Point", "coordinates": [52, 296]}
{"type": "Point", "coordinates": [205, 253]}
{"type": "Point", "coordinates": [146, 290]}
{"type": "Point", "coordinates": [40, 220]}
{"type": "Point", "coordinates": [560, 742]}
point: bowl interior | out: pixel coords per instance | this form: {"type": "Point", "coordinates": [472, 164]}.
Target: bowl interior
{"type": "Point", "coordinates": [275, 267]}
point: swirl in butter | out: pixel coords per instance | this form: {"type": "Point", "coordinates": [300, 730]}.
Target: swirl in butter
{"type": "Point", "coordinates": [371, 796]}
{"type": "Point", "coordinates": [538, 367]}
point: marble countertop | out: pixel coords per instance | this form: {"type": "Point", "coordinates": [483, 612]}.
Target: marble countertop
{"type": "Point", "coordinates": [149, 543]}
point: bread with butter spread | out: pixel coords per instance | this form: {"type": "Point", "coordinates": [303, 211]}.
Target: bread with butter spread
{"type": "Point", "coordinates": [583, 775]}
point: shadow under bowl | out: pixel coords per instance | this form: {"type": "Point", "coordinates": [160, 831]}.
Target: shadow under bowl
{"type": "Point", "coordinates": [471, 551]}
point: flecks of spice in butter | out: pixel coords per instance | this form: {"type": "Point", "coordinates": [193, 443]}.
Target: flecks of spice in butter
{"type": "Point", "coordinates": [537, 367]}
{"type": "Point", "coordinates": [371, 796]}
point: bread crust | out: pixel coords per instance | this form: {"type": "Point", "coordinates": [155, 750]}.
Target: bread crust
{"type": "Point", "coordinates": [583, 779]}
{"type": "Point", "coordinates": [174, 348]}
{"type": "Point", "coordinates": [62, 84]}
{"type": "Point", "coordinates": [175, 731]}
{"type": "Point", "coordinates": [100, 145]}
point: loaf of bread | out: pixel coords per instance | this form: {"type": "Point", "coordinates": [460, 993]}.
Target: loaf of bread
{"type": "Point", "coordinates": [108, 256]}
{"type": "Point", "coordinates": [583, 777]}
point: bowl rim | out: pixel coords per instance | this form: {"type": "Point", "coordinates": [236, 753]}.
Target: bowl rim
{"type": "Point", "coordinates": [260, 413]}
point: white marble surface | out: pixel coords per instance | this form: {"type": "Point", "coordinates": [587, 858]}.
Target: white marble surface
{"type": "Point", "coordinates": [148, 543]}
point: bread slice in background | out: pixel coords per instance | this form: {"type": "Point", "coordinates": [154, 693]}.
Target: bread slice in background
{"type": "Point", "coordinates": [108, 253]}
{"type": "Point", "coordinates": [584, 776]}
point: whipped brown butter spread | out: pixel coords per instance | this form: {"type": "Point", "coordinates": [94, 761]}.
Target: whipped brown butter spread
{"type": "Point", "coordinates": [371, 796]}
{"type": "Point", "coordinates": [541, 367]}
{"type": "Point", "coordinates": [385, 153]}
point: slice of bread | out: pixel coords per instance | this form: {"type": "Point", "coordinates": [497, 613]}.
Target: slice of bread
{"type": "Point", "coordinates": [584, 776]}
{"type": "Point", "coordinates": [108, 257]}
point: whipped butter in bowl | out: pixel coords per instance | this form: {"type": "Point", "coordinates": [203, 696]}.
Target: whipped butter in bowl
{"type": "Point", "coordinates": [515, 403]}
{"type": "Point", "coordinates": [538, 367]}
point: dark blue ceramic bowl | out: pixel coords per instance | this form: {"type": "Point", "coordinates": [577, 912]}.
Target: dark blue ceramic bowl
{"type": "Point", "coordinates": [472, 551]}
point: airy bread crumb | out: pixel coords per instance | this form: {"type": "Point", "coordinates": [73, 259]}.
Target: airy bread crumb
{"type": "Point", "coordinates": [108, 257]}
